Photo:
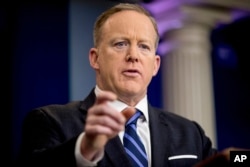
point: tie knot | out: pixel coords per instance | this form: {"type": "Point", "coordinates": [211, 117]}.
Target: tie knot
{"type": "Point", "coordinates": [134, 118]}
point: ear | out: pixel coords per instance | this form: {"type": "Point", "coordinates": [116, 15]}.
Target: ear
{"type": "Point", "coordinates": [93, 58]}
{"type": "Point", "coordinates": [157, 64]}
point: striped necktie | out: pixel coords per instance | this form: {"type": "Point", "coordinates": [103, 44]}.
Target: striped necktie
{"type": "Point", "coordinates": [132, 143]}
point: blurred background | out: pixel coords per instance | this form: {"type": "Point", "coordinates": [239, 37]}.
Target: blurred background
{"type": "Point", "coordinates": [204, 74]}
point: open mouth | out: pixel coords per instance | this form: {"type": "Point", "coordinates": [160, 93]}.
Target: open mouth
{"type": "Point", "coordinates": [131, 72]}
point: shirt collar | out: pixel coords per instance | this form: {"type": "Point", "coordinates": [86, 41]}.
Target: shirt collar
{"type": "Point", "coordinates": [142, 105]}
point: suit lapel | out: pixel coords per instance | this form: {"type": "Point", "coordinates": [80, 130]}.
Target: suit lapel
{"type": "Point", "coordinates": [159, 136]}
{"type": "Point", "coordinates": [116, 153]}
{"type": "Point", "coordinates": [88, 101]}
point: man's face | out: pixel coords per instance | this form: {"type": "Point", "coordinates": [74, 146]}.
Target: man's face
{"type": "Point", "coordinates": [125, 59]}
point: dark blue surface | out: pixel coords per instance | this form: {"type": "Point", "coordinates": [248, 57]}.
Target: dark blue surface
{"type": "Point", "coordinates": [40, 59]}
{"type": "Point", "coordinates": [231, 83]}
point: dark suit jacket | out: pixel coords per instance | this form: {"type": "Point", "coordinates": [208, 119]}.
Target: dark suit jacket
{"type": "Point", "coordinates": [50, 133]}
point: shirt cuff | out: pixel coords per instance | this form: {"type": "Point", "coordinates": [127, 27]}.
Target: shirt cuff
{"type": "Point", "coordinates": [82, 161]}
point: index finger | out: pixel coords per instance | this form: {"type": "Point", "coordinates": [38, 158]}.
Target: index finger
{"type": "Point", "coordinates": [105, 96]}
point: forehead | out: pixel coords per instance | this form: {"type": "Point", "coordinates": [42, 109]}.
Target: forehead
{"type": "Point", "coordinates": [128, 16]}
{"type": "Point", "coordinates": [129, 22]}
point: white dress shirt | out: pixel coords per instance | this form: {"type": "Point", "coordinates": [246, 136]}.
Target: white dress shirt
{"type": "Point", "coordinates": [142, 130]}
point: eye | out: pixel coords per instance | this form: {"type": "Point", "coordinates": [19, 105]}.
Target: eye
{"type": "Point", "coordinates": [121, 44]}
{"type": "Point", "coordinates": [144, 47]}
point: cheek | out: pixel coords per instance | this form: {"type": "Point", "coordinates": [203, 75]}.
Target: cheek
{"type": "Point", "coordinates": [151, 68]}
{"type": "Point", "coordinates": [111, 68]}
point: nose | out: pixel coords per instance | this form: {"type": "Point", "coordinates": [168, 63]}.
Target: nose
{"type": "Point", "coordinates": [131, 58]}
{"type": "Point", "coordinates": [132, 55]}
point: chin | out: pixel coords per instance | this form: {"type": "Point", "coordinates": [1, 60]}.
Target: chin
{"type": "Point", "coordinates": [131, 91]}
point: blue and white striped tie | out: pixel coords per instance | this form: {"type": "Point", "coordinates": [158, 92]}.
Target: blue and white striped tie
{"type": "Point", "coordinates": [132, 143]}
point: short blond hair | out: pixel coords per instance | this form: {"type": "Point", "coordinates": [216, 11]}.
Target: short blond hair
{"type": "Point", "coordinates": [118, 8]}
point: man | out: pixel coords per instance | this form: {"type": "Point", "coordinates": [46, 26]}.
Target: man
{"type": "Point", "coordinates": [91, 132]}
